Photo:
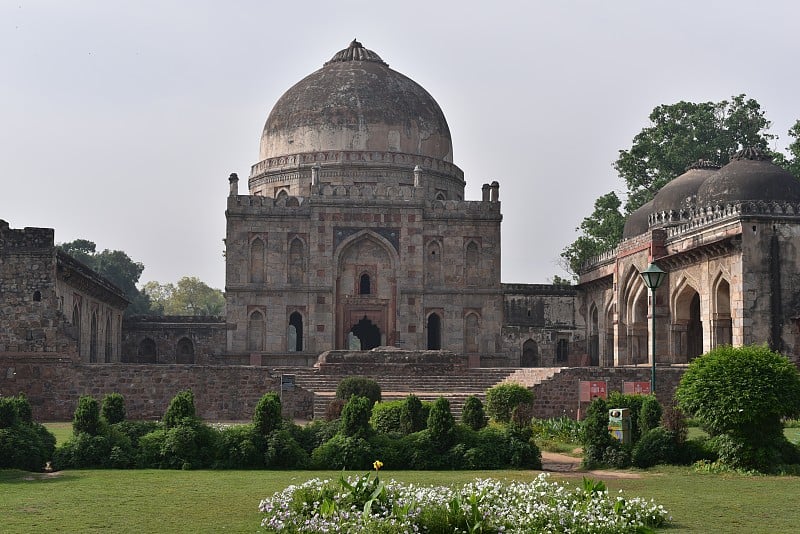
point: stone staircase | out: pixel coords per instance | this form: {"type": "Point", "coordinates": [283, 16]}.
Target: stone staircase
{"type": "Point", "coordinates": [455, 388]}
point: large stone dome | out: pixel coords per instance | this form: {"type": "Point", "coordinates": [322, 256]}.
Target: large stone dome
{"type": "Point", "coordinates": [681, 193]}
{"type": "Point", "coordinates": [355, 102]}
{"type": "Point", "coordinates": [750, 176]}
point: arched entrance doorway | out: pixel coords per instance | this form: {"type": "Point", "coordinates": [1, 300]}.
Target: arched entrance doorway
{"type": "Point", "coordinates": [369, 334]}
{"type": "Point", "coordinates": [295, 343]}
{"type": "Point", "coordinates": [530, 354]}
{"type": "Point", "coordinates": [687, 326]}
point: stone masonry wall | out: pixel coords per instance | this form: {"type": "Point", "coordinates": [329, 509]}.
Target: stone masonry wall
{"type": "Point", "coordinates": [559, 395]}
{"type": "Point", "coordinates": [53, 385]}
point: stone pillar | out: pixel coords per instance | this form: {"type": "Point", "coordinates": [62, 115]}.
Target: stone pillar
{"type": "Point", "coordinates": [233, 179]}
{"type": "Point", "coordinates": [485, 192]}
{"type": "Point", "coordinates": [315, 174]}
{"type": "Point", "coordinates": [494, 195]}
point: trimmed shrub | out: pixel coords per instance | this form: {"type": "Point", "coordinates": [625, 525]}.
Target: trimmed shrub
{"type": "Point", "coordinates": [355, 416]}
{"type": "Point", "coordinates": [649, 414]}
{"type": "Point", "coordinates": [113, 410]}
{"type": "Point", "coordinates": [87, 416]}
{"type": "Point", "coordinates": [656, 446]}
{"type": "Point", "coordinates": [240, 447]}
{"type": "Point", "coordinates": [596, 439]}
{"type": "Point", "coordinates": [503, 398]}
{"type": "Point", "coordinates": [26, 446]}
{"type": "Point", "coordinates": [344, 452]}
{"type": "Point", "coordinates": [386, 416]}
{"type": "Point", "coordinates": [360, 387]}
{"type": "Point", "coordinates": [180, 407]}
{"type": "Point", "coordinates": [412, 415]}
{"type": "Point", "coordinates": [634, 405]}
{"type": "Point", "coordinates": [284, 452]}
{"type": "Point", "coordinates": [135, 429]}
{"type": "Point", "coordinates": [8, 412]}
{"type": "Point", "coordinates": [472, 415]}
{"type": "Point", "coordinates": [314, 433]}
{"type": "Point", "coordinates": [267, 414]}
{"type": "Point", "coordinates": [150, 453]}
{"type": "Point", "coordinates": [189, 445]}
{"type": "Point", "coordinates": [441, 424]}
{"type": "Point", "coordinates": [740, 395]}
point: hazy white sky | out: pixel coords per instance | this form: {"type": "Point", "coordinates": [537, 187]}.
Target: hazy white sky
{"type": "Point", "coordinates": [120, 121]}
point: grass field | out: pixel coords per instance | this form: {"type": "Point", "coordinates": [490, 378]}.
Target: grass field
{"type": "Point", "coordinates": [227, 501]}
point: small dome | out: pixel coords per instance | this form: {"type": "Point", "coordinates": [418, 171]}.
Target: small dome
{"type": "Point", "coordinates": [750, 176]}
{"type": "Point", "coordinates": [638, 221]}
{"type": "Point", "coordinates": [355, 102]}
{"type": "Point", "coordinates": [682, 191]}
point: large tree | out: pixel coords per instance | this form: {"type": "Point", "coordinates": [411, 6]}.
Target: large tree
{"type": "Point", "coordinates": [115, 265]}
{"type": "Point", "coordinates": [677, 136]}
{"type": "Point", "coordinates": [190, 296]}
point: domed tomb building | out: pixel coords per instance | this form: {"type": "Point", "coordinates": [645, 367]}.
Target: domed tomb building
{"type": "Point", "coordinates": [355, 231]}
{"type": "Point", "coordinates": [728, 239]}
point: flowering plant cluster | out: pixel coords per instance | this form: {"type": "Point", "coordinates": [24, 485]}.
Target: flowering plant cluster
{"type": "Point", "coordinates": [367, 505]}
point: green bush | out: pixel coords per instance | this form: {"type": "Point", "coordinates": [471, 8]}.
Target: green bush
{"type": "Point", "coordinates": [503, 398]}
{"type": "Point", "coordinates": [561, 429]}
{"type": "Point", "coordinates": [15, 410]}
{"type": "Point", "coordinates": [740, 395]}
{"type": "Point", "coordinates": [180, 407]}
{"type": "Point", "coordinates": [441, 424]}
{"type": "Point", "coordinates": [599, 447]}
{"type": "Point", "coordinates": [267, 414]}
{"type": "Point", "coordinates": [412, 415]}
{"type": "Point", "coordinates": [360, 387]}
{"type": "Point", "coordinates": [634, 405]}
{"type": "Point", "coordinates": [25, 446]}
{"type": "Point", "coordinates": [240, 447]}
{"type": "Point", "coordinates": [472, 415]}
{"type": "Point", "coordinates": [284, 452]}
{"type": "Point", "coordinates": [344, 452]}
{"type": "Point", "coordinates": [386, 416]}
{"type": "Point", "coordinates": [355, 416]}
{"type": "Point", "coordinates": [110, 450]}
{"type": "Point", "coordinates": [135, 429]}
{"type": "Point", "coordinates": [87, 416]}
{"type": "Point", "coordinates": [189, 445]}
{"type": "Point", "coordinates": [150, 453]}
{"type": "Point", "coordinates": [656, 446]}
{"type": "Point", "coordinates": [113, 410]}
{"type": "Point", "coordinates": [314, 433]}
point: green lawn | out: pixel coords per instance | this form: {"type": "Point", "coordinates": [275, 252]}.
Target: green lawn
{"type": "Point", "coordinates": [217, 501]}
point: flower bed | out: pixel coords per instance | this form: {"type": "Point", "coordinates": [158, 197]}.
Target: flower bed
{"type": "Point", "coordinates": [368, 505]}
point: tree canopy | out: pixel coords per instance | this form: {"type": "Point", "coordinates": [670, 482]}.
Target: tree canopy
{"type": "Point", "coordinates": [677, 135]}
{"type": "Point", "coordinates": [115, 265]}
{"type": "Point", "coordinates": [190, 296]}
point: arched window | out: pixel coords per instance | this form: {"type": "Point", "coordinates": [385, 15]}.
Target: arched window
{"type": "Point", "coordinates": [434, 332]}
{"type": "Point", "coordinates": [255, 332]}
{"type": "Point", "coordinates": [147, 351]}
{"type": "Point", "coordinates": [295, 335]}
{"type": "Point", "coordinates": [471, 261]}
{"type": "Point", "coordinates": [296, 266]}
{"type": "Point", "coordinates": [282, 194]}
{"type": "Point", "coordinates": [530, 354]}
{"type": "Point", "coordinates": [594, 337]}
{"type": "Point", "coordinates": [440, 196]}
{"type": "Point", "coordinates": [257, 261]}
{"type": "Point", "coordinates": [93, 339]}
{"type": "Point", "coordinates": [364, 285]}
{"type": "Point", "coordinates": [37, 296]}
{"type": "Point", "coordinates": [184, 351]}
{"type": "Point", "coordinates": [687, 327]}
{"type": "Point", "coordinates": [109, 340]}
{"type": "Point", "coordinates": [723, 331]}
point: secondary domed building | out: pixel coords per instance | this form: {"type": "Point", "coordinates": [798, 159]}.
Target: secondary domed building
{"type": "Point", "coordinates": [354, 231]}
{"type": "Point", "coordinates": [728, 240]}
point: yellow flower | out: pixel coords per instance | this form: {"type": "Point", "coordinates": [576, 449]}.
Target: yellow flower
{"type": "Point", "coordinates": [377, 464]}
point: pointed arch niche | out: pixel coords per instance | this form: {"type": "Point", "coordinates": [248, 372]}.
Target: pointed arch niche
{"type": "Point", "coordinates": [297, 262]}
{"type": "Point", "coordinates": [255, 331]}
{"type": "Point", "coordinates": [434, 331]}
{"type": "Point", "coordinates": [721, 324]}
{"type": "Point", "coordinates": [687, 325]}
{"type": "Point", "coordinates": [634, 306]}
{"type": "Point", "coordinates": [594, 336]}
{"type": "Point", "coordinates": [530, 354]}
{"type": "Point", "coordinates": [257, 251]}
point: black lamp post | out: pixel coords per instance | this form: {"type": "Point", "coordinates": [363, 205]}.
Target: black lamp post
{"type": "Point", "coordinates": [653, 276]}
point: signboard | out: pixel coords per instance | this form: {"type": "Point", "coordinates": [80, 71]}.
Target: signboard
{"type": "Point", "coordinates": [287, 382]}
{"type": "Point", "coordinates": [636, 388]}
{"type": "Point", "coordinates": [590, 390]}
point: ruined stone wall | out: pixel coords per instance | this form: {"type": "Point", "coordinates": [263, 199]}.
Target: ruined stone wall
{"type": "Point", "coordinates": [54, 384]}
{"type": "Point", "coordinates": [177, 339]}
{"type": "Point", "coordinates": [559, 395]}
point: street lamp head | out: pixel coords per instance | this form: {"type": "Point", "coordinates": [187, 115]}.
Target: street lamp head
{"type": "Point", "coordinates": [653, 276]}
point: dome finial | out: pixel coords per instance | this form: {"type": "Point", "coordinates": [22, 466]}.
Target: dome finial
{"type": "Point", "coordinates": [752, 153]}
{"type": "Point", "coordinates": [356, 52]}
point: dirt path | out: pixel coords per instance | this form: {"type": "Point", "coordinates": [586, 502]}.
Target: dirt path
{"type": "Point", "coordinates": [564, 465]}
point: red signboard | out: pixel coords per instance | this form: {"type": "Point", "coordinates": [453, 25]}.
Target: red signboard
{"type": "Point", "coordinates": [589, 391]}
{"type": "Point", "coordinates": [636, 388]}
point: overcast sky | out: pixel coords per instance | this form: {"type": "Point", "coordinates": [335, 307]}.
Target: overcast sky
{"type": "Point", "coordinates": [121, 121]}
